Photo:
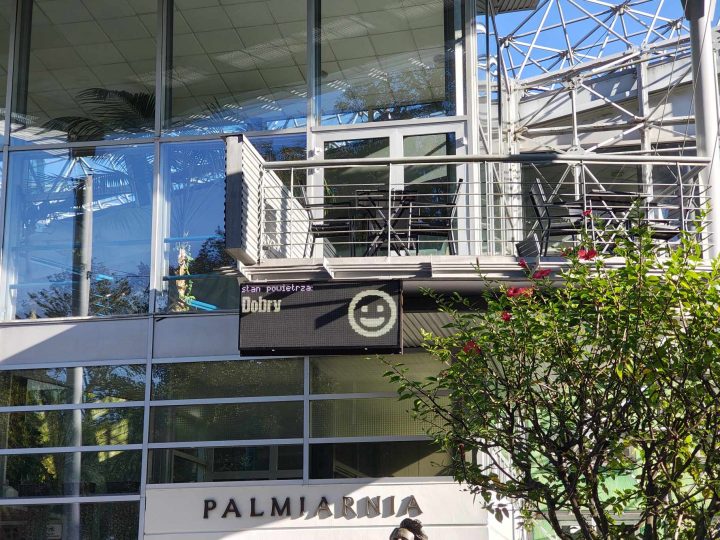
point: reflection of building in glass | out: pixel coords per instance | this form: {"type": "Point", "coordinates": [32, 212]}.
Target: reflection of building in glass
{"type": "Point", "coordinates": [326, 140]}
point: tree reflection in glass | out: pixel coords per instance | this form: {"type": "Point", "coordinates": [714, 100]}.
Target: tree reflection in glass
{"type": "Point", "coordinates": [78, 232]}
{"type": "Point", "coordinates": [194, 182]}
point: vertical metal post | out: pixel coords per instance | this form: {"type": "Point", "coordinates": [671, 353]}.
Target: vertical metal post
{"type": "Point", "coordinates": [699, 13]}
{"type": "Point", "coordinates": [82, 247]}
{"type": "Point", "coordinates": [643, 97]}
{"type": "Point", "coordinates": [576, 142]}
{"type": "Point", "coordinates": [164, 66]}
{"type": "Point", "coordinates": [73, 460]}
{"type": "Point", "coordinates": [82, 260]}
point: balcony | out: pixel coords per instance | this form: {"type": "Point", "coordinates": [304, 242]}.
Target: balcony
{"type": "Point", "coordinates": [351, 218]}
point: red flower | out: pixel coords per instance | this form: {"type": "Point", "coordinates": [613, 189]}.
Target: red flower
{"type": "Point", "coordinates": [542, 274]}
{"type": "Point", "coordinates": [587, 213]}
{"type": "Point", "coordinates": [519, 291]}
{"type": "Point", "coordinates": [522, 263]}
{"type": "Point", "coordinates": [471, 348]}
{"type": "Point", "coordinates": [506, 316]}
{"type": "Point", "coordinates": [587, 254]}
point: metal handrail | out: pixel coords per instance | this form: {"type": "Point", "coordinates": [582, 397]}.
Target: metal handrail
{"type": "Point", "coordinates": [541, 157]}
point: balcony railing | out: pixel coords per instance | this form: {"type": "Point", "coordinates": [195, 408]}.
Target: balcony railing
{"type": "Point", "coordinates": [477, 206]}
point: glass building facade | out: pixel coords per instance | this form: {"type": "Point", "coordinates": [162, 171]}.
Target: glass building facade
{"type": "Point", "coordinates": [114, 142]}
{"type": "Point", "coordinates": [112, 199]}
{"type": "Point", "coordinates": [121, 385]}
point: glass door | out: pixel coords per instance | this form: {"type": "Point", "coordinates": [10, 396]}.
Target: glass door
{"type": "Point", "coordinates": [397, 209]}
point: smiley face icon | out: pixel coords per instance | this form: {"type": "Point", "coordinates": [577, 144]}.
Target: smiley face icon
{"type": "Point", "coordinates": [372, 313]}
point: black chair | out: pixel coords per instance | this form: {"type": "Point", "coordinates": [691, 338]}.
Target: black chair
{"type": "Point", "coordinates": [529, 248]}
{"type": "Point", "coordinates": [436, 220]}
{"type": "Point", "coordinates": [555, 218]}
{"type": "Point", "coordinates": [386, 218]}
{"type": "Point", "coordinates": [334, 221]}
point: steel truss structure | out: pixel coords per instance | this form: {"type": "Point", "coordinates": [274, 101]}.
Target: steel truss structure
{"type": "Point", "coordinates": [587, 77]}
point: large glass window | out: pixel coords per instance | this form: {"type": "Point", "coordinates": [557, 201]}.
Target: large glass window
{"type": "Point", "coordinates": [376, 460]}
{"type": "Point", "coordinates": [47, 475]}
{"type": "Point", "coordinates": [55, 386]}
{"type": "Point", "coordinates": [100, 521]}
{"type": "Point", "coordinates": [367, 417]}
{"type": "Point", "coordinates": [351, 374]}
{"type": "Point", "coordinates": [221, 464]}
{"type": "Point", "coordinates": [247, 378]}
{"type": "Point", "coordinates": [85, 71]}
{"type": "Point", "coordinates": [194, 180]}
{"type": "Point", "coordinates": [285, 148]}
{"type": "Point", "coordinates": [237, 66]}
{"type": "Point", "coordinates": [77, 236]}
{"type": "Point", "coordinates": [98, 427]}
{"type": "Point", "coordinates": [387, 60]}
{"type": "Point", "coordinates": [237, 421]}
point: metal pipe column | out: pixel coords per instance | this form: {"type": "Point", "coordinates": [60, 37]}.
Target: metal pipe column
{"type": "Point", "coordinates": [699, 13]}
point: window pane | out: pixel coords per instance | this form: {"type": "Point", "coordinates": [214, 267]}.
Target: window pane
{"type": "Point", "coordinates": [99, 521]}
{"type": "Point", "coordinates": [363, 418]}
{"type": "Point", "coordinates": [238, 66]}
{"type": "Point", "coordinates": [376, 460]}
{"type": "Point", "coordinates": [435, 186]}
{"type": "Point", "coordinates": [85, 72]}
{"type": "Point", "coordinates": [194, 179]}
{"type": "Point", "coordinates": [226, 422]}
{"type": "Point", "coordinates": [356, 374]}
{"type": "Point", "coordinates": [56, 428]}
{"type": "Point", "coordinates": [386, 61]}
{"type": "Point", "coordinates": [54, 386]}
{"type": "Point", "coordinates": [242, 378]}
{"type": "Point", "coordinates": [285, 148]}
{"type": "Point", "coordinates": [225, 464]}
{"type": "Point", "coordinates": [45, 475]}
{"type": "Point", "coordinates": [78, 232]}
{"type": "Point", "coordinates": [344, 187]}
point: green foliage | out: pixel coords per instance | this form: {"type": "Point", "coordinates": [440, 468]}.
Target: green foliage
{"type": "Point", "coordinates": [595, 395]}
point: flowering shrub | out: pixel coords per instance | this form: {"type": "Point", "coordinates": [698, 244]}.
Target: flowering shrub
{"type": "Point", "coordinates": [595, 395]}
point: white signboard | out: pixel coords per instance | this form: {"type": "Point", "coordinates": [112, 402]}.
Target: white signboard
{"type": "Point", "coordinates": [368, 510]}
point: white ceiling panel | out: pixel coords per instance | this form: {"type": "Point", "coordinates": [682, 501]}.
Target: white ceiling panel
{"type": "Point", "coordinates": [352, 48]}
{"type": "Point", "coordinates": [207, 19]}
{"type": "Point", "coordinates": [242, 81]}
{"type": "Point", "coordinates": [428, 37]}
{"type": "Point", "coordinates": [64, 11]}
{"type": "Point", "coordinates": [378, 5]}
{"type": "Point", "coordinates": [260, 35]}
{"type": "Point", "coordinates": [194, 4]}
{"type": "Point", "coordinates": [381, 22]}
{"type": "Point", "coordinates": [83, 33]}
{"type": "Point", "coordinates": [395, 42]}
{"type": "Point", "coordinates": [248, 15]}
{"type": "Point", "coordinates": [287, 10]}
{"type": "Point", "coordinates": [186, 45]}
{"type": "Point", "coordinates": [136, 49]}
{"type": "Point", "coordinates": [99, 54]}
{"type": "Point", "coordinates": [219, 40]}
{"type": "Point", "coordinates": [57, 58]}
{"type": "Point", "coordinates": [109, 9]}
{"type": "Point", "coordinates": [282, 76]}
{"type": "Point", "coordinates": [112, 75]}
{"type": "Point", "coordinates": [75, 79]}
{"type": "Point", "coordinates": [125, 28]}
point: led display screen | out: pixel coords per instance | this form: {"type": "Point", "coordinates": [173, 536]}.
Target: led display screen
{"type": "Point", "coordinates": [313, 318]}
